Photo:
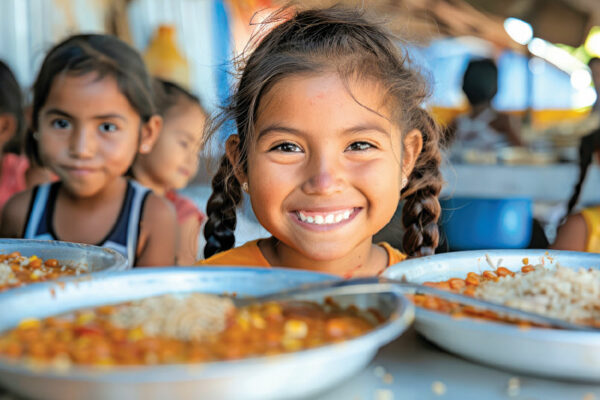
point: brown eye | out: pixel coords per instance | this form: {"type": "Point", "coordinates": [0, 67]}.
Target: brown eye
{"type": "Point", "coordinates": [287, 147]}
{"type": "Point", "coordinates": [360, 146]}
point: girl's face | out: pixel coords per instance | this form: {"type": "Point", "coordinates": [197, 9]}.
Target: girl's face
{"type": "Point", "coordinates": [325, 170]}
{"type": "Point", "coordinates": [173, 160]}
{"type": "Point", "coordinates": [89, 133]}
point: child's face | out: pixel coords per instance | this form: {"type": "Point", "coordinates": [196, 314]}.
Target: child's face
{"type": "Point", "coordinates": [325, 171]}
{"type": "Point", "coordinates": [173, 160]}
{"type": "Point", "coordinates": [88, 132]}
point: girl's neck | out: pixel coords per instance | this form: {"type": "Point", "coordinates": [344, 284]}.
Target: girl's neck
{"type": "Point", "coordinates": [364, 260]}
{"type": "Point", "coordinates": [147, 180]}
{"type": "Point", "coordinates": [113, 190]}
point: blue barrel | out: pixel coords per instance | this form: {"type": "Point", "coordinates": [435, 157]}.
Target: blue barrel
{"type": "Point", "coordinates": [485, 223]}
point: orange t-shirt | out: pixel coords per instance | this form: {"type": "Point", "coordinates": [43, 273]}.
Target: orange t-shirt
{"type": "Point", "coordinates": [250, 255]}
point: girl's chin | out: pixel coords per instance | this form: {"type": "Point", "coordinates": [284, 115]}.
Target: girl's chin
{"type": "Point", "coordinates": [324, 254]}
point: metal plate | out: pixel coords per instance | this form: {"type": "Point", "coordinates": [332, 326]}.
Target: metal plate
{"type": "Point", "coordinates": [95, 258]}
{"type": "Point", "coordinates": [276, 377]}
{"type": "Point", "coordinates": [544, 352]}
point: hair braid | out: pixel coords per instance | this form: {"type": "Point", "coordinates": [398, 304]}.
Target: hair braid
{"type": "Point", "coordinates": [587, 146]}
{"type": "Point", "coordinates": [421, 209]}
{"type": "Point", "coordinates": [221, 210]}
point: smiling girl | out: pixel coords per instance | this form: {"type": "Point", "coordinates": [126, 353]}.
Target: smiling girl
{"type": "Point", "coordinates": [330, 135]}
{"type": "Point", "coordinates": [92, 113]}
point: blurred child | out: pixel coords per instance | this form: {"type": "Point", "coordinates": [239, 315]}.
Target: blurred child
{"type": "Point", "coordinates": [483, 128]}
{"type": "Point", "coordinates": [581, 231]}
{"type": "Point", "coordinates": [13, 166]}
{"type": "Point", "coordinates": [330, 135]}
{"type": "Point", "coordinates": [92, 112]}
{"type": "Point", "coordinates": [173, 161]}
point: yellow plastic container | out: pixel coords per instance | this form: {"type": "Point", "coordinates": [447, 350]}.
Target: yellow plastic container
{"type": "Point", "coordinates": [164, 59]}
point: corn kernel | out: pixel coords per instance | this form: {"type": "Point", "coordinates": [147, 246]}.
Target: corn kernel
{"type": "Point", "coordinates": [258, 321]}
{"type": "Point", "coordinates": [290, 344]}
{"type": "Point", "coordinates": [29, 323]}
{"type": "Point", "coordinates": [135, 334]}
{"type": "Point", "coordinates": [85, 317]}
{"type": "Point", "coordinates": [295, 329]}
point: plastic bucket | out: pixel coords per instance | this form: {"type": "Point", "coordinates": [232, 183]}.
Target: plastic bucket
{"type": "Point", "coordinates": [485, 223]}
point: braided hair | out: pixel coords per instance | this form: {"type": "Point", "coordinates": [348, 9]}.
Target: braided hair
{"type": "Point", "coordinates": [587, 146]}
{"type": "Point", "coordinates": [321, 40]}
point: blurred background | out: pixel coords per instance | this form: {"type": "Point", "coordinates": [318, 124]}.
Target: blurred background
{"type": "Point", "coordinates": [541, 49]}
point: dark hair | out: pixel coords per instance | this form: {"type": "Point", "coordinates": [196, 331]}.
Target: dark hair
{"type": "Point", "coordinates": [319, 40]}
{"type": "Point", "coordinates": [480, 81]}
{"type": "Point", "coordinates": [587, 146]}
{"type": "Point", "coordinates": [168, 94]}
{"type": "Point", "coordinates": [593, 60]}
{"type": "Point", "coordinates": [103, 54]}
{"type": "Point", "coordinates": [11, 102]}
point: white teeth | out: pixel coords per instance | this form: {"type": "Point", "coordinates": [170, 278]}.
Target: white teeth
{"type": "Point", "coordinates": [321, 219]}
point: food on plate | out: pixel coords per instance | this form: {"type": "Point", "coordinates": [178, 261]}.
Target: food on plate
{"type": "Point", "coordinates": [558, 292]}
{"type": "Point", "coordinates": [17, 270]}
{"type": "Point", "coordinates": [176, 329]}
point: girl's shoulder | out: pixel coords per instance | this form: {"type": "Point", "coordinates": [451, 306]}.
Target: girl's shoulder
{"type": "Point", "coordinates": [156, 239]}
{"type": "Point", "coordinates": [15, 213]}
{"type": "Point", "coordinates": [573, 233]}
{"type": "Point", "coordinates": [248, 254]}
{"type": "Point", "coordinates": [159, 208]}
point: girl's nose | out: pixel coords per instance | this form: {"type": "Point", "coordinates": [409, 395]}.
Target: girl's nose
{"type": "Point", "coordinates": [325, 177]}
{"type": "Point", "coordinates": [82, 144]}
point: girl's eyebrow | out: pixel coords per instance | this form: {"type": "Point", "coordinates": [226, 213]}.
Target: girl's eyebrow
{"type": "Point", "coordinates": [276, 128]}
{"type": "Point", "coordinates": [103, 116]}
{"type": "Point", "coordinates": [58, 112]}
{"type": "Point", "coordinates": [188, 135]}
{"type": "Point", "coordinates": [350, 130]}
{"type": "Point", "coordinates": [367, 127]}
{"type": "Point", "coordinates": [109, 116]}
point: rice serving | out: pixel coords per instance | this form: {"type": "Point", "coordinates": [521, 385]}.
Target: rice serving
{"type": "Point", "coordinates": [568, 294]}
{"type": "Point", "coordinates": [190, 317]}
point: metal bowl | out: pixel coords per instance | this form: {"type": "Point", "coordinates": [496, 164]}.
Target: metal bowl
{"type": "Point", "coordinates": [544, 352]}
{"type": "Point", "coordinates": [291, 375]}
{"type": "Point", "coordinates": [94, 258]}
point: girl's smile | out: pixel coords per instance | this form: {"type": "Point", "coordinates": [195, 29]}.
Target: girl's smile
{"type": "Point", "coordinates": [325, 220]}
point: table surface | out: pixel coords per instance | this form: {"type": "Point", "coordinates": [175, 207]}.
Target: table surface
{"type": "Point", "coordinates": [548, 183]}
{"type": "Point", "coordinates": [414, 364]}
